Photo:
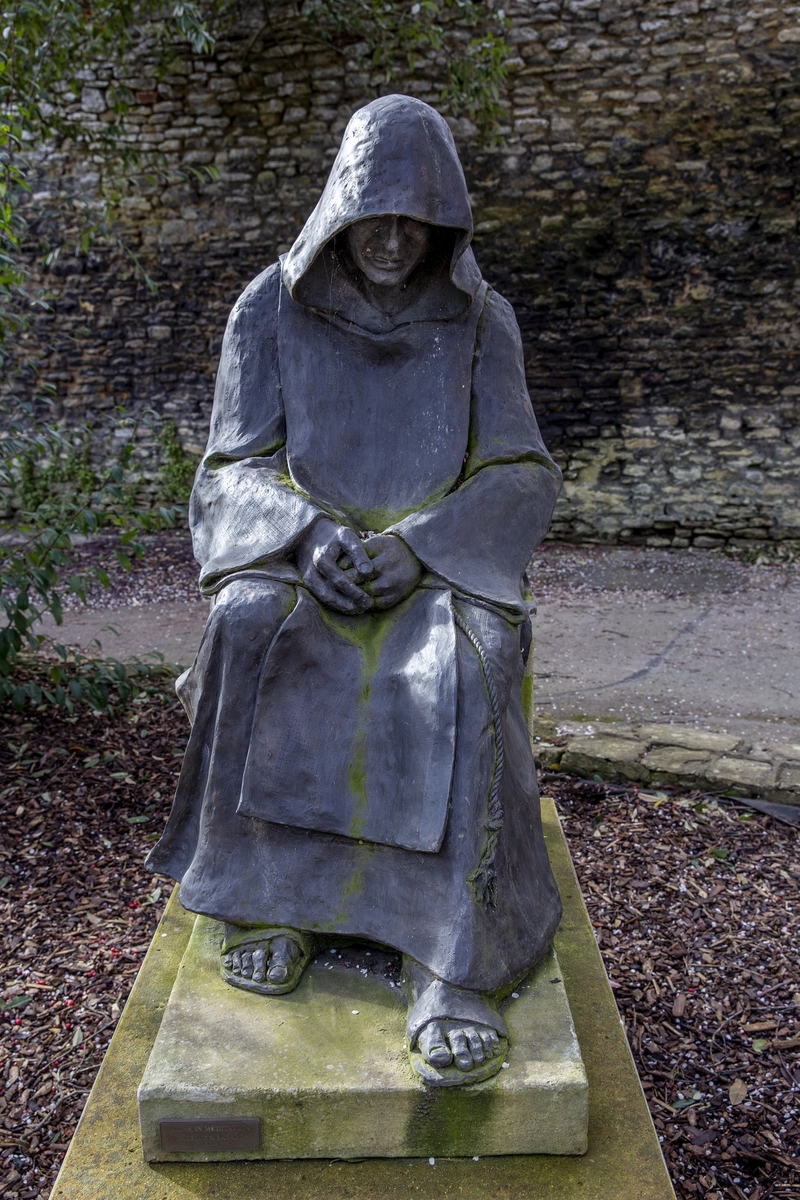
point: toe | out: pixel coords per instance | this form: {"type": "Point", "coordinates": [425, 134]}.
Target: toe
{"type": "Point", "coordinates": [227, 962]}
{"type": "Point", "coordinates": [434, 1047]}
{"type": "Point", "coordinates": [259, 959]}
{"type": "Point", "coordinates": [491, 1042]}
{"type": "Point", "coordinates": [247, 964]}
{"type": "Point", "coordinates": [460, 1048]}
{"type": "Point", "coordinates": [475, 1043]}
{"type": "Point", "coordinates": [237, 962]}
{"type": "Point", "coordinates": [283, 954]}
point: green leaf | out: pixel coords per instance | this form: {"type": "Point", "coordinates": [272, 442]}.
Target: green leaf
{"type": "Point", "coordinates": [20, 1001]}
{"type": "Point", "coordinates": [137, 820]}
{"type": "Point", "coordinates": [77, 1037]}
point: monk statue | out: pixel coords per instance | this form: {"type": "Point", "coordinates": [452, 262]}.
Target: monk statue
{"type": "Point", "coordinates": [373, 488]}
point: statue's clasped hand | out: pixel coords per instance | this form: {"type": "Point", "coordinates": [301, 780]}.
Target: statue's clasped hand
{"type": "Point", "coordinates": [351, 575]}
{"type": "Point", "coordinates": [396, 569]}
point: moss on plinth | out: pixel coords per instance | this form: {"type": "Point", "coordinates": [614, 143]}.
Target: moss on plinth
{"type": "Point", "coordinates": [324, 1070]}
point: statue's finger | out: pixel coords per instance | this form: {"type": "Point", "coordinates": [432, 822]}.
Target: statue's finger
{"type": "Point", "coordinates": [332, 597]}
{"type": "Point", "coordinates": [355, 548]}
{"type": "Point", "coordinates": [381, 585]}
{"type": "Point", "coordinates": [324, 560]}
{"type": "Point", "coordinates": [349, 588]}
{"type": "Point", "coordinates": [329, 569]}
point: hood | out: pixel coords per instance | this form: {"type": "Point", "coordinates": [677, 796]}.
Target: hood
{"type": "Point", "coordinates": [397, 156]}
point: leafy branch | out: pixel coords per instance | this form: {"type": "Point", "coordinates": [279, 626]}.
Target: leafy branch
{"type": "Point", "coordinates": [49, 473]}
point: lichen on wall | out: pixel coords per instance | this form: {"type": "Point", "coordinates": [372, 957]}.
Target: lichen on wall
{"type": "Point", "coordinates": [641, 215]}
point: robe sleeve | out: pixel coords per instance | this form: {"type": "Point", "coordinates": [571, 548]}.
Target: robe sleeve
{"type": "Point", "coordinates": [244, 510]}
{"type": "Point", "coordinates": [480, 537]}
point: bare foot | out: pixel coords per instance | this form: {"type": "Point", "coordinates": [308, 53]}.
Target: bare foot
{"type": "Point", "coordinates": [270, 961]}
{"type": "Point", "coordinates": [467, 1045]}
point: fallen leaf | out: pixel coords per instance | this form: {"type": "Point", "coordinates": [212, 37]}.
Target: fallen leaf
{"type": "Point", "coordinates": [737, 1091]}
{"type": "Point", "coordinates": [77, 1037]}
{"type": "Point", "coordinates": [760, 1044]}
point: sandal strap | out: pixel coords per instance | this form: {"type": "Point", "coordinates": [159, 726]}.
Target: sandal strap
{"type": "Point", "coordinates": [441, 1002]}
{"type": "Point", "coordinates": [237, 936]}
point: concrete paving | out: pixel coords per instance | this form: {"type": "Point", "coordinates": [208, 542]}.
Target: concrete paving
{"type": "Point", "coordinates": [682, 637]}
{"type": "Point", "coordinates": [621, 635]}
{"type": "Point", "coordinates": [172, 628]}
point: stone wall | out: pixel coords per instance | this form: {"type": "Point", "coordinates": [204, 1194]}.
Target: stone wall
{"type": "Point", "coordinates": [641, 215]}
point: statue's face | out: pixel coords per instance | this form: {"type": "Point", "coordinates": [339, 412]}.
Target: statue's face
{"type": "Point", "coordinates": [388, 248]}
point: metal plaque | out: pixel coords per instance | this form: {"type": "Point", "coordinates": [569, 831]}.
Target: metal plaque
{"type": "Point", "coordinates": [203, 1136]}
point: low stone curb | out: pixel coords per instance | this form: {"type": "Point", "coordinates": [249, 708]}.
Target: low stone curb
{"type": "Point", "coordinates": [670, 756]}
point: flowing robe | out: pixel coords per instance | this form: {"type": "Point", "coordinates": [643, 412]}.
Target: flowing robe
{"type": "Point", "coordinates": [424, 430]}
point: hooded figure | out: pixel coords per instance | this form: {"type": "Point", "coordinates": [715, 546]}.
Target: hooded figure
{"type": "Point", "coordinates": [373, 488]}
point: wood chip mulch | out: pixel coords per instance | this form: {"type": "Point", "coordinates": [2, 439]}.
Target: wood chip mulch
{"type": "Point", "coordinates": [81, 800]}
{"type": "Point", "coordinates": [694, 902]}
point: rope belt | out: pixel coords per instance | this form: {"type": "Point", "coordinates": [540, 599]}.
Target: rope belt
{"type": "Point", "coordinates": [483, 878]}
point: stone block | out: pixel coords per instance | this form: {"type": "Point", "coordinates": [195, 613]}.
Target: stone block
{"type": "Point", "coordinates": [789, 776]}
{"type": "Point", "coordinates": [609, 757]}
{"type": "Point", "coordinates": [547, 756]}
{"type": "Point", "coordinates": [597, 730]}
{"type": "Point", "coordinates": [742, 771]}
{"type": "Point", "coordinates": [790, 750]}
{"type": "Point", "coordinates": [677, 760]}
{"type": "Point", "coordinates": [691, 739]}
{"type": "Point", "coordinates": [325, 1073]}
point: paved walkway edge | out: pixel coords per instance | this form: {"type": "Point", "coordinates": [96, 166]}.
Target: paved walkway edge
{"type": "Point", "coordinates": [670, 756]}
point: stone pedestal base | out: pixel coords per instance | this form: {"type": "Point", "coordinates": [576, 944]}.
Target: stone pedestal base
{"type": "Point", "coordinates": [623, 1161]}
{"type": "Point", "coordinates": [323, 1072]}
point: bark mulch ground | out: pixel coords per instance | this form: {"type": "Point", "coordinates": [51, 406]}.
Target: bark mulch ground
{"type": "Point", "coordinates": [694, 903]}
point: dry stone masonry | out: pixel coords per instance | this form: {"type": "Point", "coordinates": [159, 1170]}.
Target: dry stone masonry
{"type": "Point", "coordinates": [641, 215]}
{"type": "Point", "coordinates": [678, 756]}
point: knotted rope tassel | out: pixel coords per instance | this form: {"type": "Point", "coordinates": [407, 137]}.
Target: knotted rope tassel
{"type": "Point", "coordinates": [483, 877]}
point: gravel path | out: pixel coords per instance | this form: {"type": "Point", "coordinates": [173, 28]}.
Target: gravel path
{"type": "Point", "coordinates": [166, 573]}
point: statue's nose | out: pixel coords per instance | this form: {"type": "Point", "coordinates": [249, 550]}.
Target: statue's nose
{"type": "Point", "coordinates": [393, 236]}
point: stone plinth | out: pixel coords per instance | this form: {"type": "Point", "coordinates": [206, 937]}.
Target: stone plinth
{"type": "Point", "coordinates": [623, 1161]}
{"type": "Point", "coordinates": [322, 1072]}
